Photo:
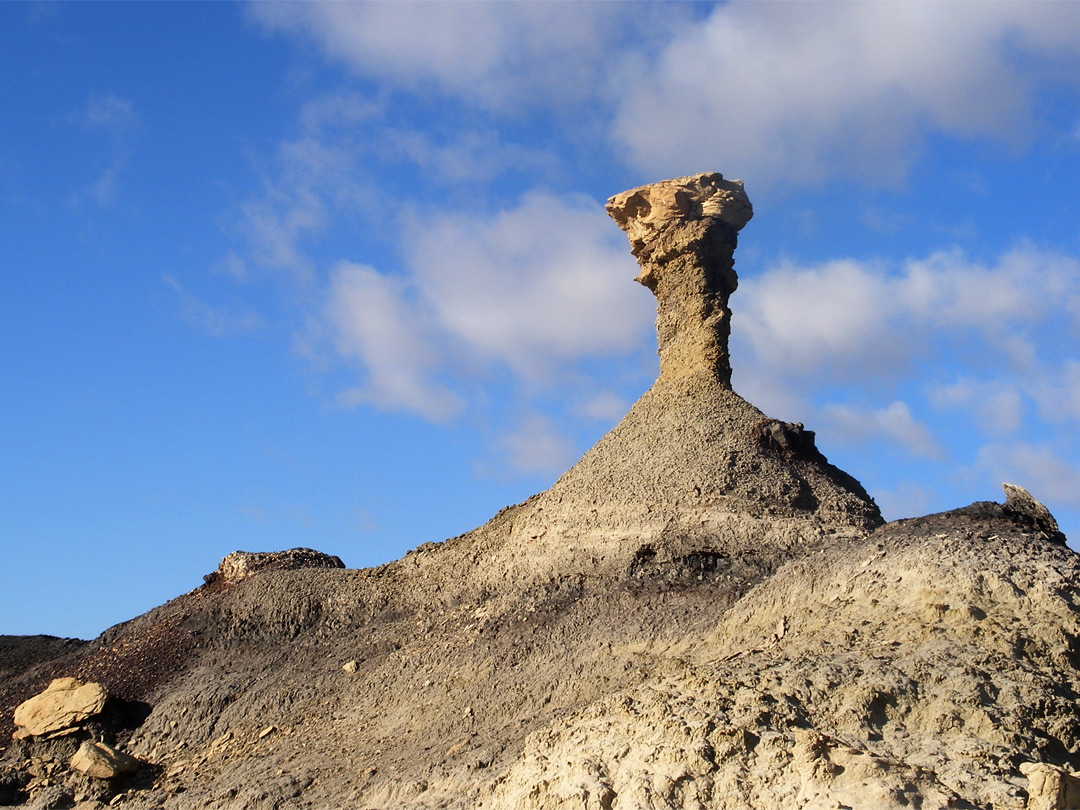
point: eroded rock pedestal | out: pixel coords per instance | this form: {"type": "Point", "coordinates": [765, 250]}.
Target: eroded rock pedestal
{"type": "Point", "coordinates": [683, 233]}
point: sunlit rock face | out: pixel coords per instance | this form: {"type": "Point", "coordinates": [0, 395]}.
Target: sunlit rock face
{"type": "Point", "coordinates": [683, 233]}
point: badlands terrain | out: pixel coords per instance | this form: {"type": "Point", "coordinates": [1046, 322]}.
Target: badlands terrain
{"type": "Point", "coordinates": [701, 613]}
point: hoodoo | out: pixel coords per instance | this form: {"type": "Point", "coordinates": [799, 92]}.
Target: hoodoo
{"type": "Point", "coordinates": [691, 449]}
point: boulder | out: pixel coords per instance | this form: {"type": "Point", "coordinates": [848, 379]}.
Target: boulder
{"type": "Point", "coordinates": [1051, 787]}
{"type": "Point", "coordinates": [102, 761]}
{"type": "Point", "coordinates": [65, 704]}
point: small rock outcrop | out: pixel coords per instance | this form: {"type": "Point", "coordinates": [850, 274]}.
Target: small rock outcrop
{"type": "Point", "coordinates": [242, 564]}
{"type": "Point", "coordinates": [683, 233]}
{"type": "Point", "coordinates": [1020, 504]}
{"type": "Point", "coordinates": [60, 709]}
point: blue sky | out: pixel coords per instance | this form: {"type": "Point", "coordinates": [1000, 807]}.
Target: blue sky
{"type": "Point", "coordinates": [339, 276]}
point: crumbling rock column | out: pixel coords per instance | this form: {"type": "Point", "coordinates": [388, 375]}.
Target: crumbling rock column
{"type": "Point", "coordinates": [683, 233]}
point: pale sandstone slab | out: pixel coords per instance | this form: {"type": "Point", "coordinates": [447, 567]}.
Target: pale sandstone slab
{"type": "Point", "coordinates": [102, 761]}
{"type": "Point", "coordinates": [64, 704]}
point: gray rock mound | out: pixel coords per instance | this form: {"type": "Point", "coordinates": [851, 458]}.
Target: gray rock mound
{"type": "Point", "coordinates": [929, 665]}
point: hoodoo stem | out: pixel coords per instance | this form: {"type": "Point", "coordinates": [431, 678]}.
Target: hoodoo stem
{"type": "Point", "coordinates": [683, 233]}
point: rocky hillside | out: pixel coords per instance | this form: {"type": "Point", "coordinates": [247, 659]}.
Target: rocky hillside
{"type": "Point", "coordinates": [701, 613]}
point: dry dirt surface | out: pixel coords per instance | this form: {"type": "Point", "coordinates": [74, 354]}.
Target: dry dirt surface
{"type": "Point", "coordinates": [701, 613]}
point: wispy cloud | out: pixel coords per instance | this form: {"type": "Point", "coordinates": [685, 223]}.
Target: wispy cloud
{"type": "Point", "coordinates": [116, 117]}
{"type": "Point", "coordinates": [907, 499]}
{"type": "Point", "coordinates": [536, 446]}
{"type": "Point", "coordinates": [109, 112]}
{"type": "Point", "coordinates": [335, 168]}
{"type": "Point", "coordinates": [893, 424]}
{"type": "Point", "coordinates": [997, 406]}
{"type": "Point", "coordinates": [1036, 467]}
{"type": "Point", "coordinates": [1058, 393]}
{"type": "Point", "coordinates": [604, 406]}
{"type": "Point", "coordinates": [213, 320]}
{"type": "Point", "coordinates": [274, 223]}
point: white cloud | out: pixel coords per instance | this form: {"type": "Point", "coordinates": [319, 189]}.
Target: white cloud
{"type": "Point", "coordinates": [793, 93]}
{"type": "Point", "coordinates": [893, 424]}
{"type": "Point", "coordinates": [800, 321]}
{"type": "Point", "coordinates": [374, 321]}
{"type": "Point", "coordinates": [511, 54]}
{"type": "Point", "coordinates": [995, 405]}
{"type": "Point", "coordinates": [948, 290]}
{"type": "Point", "coordinates": [537, 446]}
{"type": "Point", "coordinates": [801, 92]}
{"type": "Point", "coordinates": [535, 286]}
{"type": "Point", "coordinates": [845, 321]}
{"type": "Point", "coordinates": [1037, 468]}
{"type": "Point", "coordinates": [533, 289]}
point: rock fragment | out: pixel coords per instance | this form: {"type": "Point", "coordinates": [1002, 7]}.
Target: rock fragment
{"type": "Point", "coordinates": [1020, 504]}
{"type": "Point", "coordinates": [102, 761]}
{"type": "Point", "coordinates": [52, 797]}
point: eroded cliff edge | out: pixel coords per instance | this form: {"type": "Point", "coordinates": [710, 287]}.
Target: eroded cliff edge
{"type": "Point", "coordinates": [703, 612]}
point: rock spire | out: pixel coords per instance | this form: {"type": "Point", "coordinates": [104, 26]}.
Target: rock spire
{"type": "Point", "coordinates": [683, 233]}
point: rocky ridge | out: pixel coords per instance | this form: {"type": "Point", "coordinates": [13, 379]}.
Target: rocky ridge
{"type": "Point", "coordinates": [701, 613]}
